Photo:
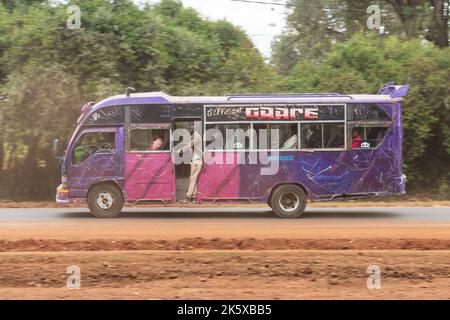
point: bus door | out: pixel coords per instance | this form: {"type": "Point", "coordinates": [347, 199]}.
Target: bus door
{"type": "Point", "coordinates": [149, 170]}
{"type": "Point", "coordinates": [183, 169]}
{"type": "Point", "coordinates": [220, 176]}
{"type": "Point", "coordinates": [95, 156]}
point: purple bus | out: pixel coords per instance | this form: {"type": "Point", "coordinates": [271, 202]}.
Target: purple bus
{"type": "Point", "coordinates": [323, 147]}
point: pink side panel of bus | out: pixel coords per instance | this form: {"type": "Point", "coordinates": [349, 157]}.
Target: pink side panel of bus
{"type": "Point", "coordinates": [219, 181]}
{"type": "Point", "coordinates": [149, 176]}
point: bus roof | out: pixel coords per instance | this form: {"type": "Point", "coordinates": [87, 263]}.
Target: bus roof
{"type": "Point", "coordinates": [389, 93]}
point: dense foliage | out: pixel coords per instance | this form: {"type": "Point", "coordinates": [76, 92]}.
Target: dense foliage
{"type": "Point", "coordinates": [363, 63]}
{"type": "Point", "coordinates": [326, 46]}
{"type": "Point", "coordinates": [47, 72]}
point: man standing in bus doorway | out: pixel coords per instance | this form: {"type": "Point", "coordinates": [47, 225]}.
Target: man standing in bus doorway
{"type": "Point", "coordinates": [196, 162]}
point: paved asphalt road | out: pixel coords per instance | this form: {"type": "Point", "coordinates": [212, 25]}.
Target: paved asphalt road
{"type": "Point", "coordinates": [388, 213]}
{"type": "Point", "coordinates": [177, 223]}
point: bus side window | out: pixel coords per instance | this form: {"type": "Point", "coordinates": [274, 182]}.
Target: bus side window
{"type": "Point", "coordinates": [333, 135]}
{"type": "Point", "coordinates": [311, 136]}
{"type": "Point", "coordinates": [287, 136]}
{"type": "Point", "coordinates": [323, 136]}
{"type": "Point", "coordinates": [231, 136]}
{"type": "Point", "coordinates": [92, 142]}
{"type": "Point", "coordinates": [375, 135]}
{"type": "Point", "coordinates": [367, 112]}
{"type": "Point", "coordinates": [367, 136]}
{"type": "Point", "coordinates": [149, 140]}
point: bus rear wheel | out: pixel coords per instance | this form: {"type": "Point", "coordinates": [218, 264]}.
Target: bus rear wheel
{"type": "Point", "coordinates": [288, 201]}
{"type": "Point", "coordinates": [105, 201]}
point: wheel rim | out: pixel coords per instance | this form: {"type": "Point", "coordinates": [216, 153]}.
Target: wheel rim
{"type": "Point", "coordinates": [104, 200]}
{"type": "Point", "coordinates": [289, 201]}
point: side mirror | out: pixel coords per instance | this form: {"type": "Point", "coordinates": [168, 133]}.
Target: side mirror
{"type": "Point", "coordinates": [55, 147]}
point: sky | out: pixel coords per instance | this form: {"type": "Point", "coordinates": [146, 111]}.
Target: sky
{"type": "Point", "coordinates": [261, 22]}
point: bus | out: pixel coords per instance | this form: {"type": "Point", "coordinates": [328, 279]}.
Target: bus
{"type": "Point", "coordinates": [277, 149]}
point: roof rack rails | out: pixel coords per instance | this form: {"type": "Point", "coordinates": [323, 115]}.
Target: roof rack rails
{"type": "Point", "coordinates": [287, 95]}
{"type": "Point", "coordinates": [246, 95]}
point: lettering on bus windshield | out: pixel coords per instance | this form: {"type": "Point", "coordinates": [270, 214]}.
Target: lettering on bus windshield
{"type": "Point", "coordinates": [108, 115]}
{"type": "Point", "coordinates": [263, 112]}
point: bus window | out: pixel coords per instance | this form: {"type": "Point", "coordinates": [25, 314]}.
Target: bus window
{"type": "Point", "coordinates": [366, 112]}
{"type": "Point", "coordinates": [150, 114]}
{"type": "Point", "coordinates": [333, 135]}
{"type": "Point", "coordinates": [108, 115]}
{"type": "Point", "coordinates": [357, 137]}
{"type": "Point", "coordinates": [92, 142]}
{"type": "Point", "coordinates": [367, 136]}
{"type": "Point", "coordinates": [311, 136]}
{"type": "Point", "coordinates": [149, 140]}
{"type": "Point", "coordinates": [322, 136]}
{"type": "Point", "coordinates": [233, 136]}
{"type": "Point", "coordinates": [287, 136]}
{"type": "Point", "coordinates": [375, 135]}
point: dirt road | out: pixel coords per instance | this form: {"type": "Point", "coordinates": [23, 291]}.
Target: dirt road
{"type": "Point", "coordinates": [225, 253]}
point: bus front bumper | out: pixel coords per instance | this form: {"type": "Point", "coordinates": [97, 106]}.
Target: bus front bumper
{"type": "Point", "coordinates": [62, 194]}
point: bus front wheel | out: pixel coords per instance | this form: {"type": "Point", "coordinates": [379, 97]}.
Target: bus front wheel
{"type": "Point", "coordinates": [288, 201]}
{"type": "Point", "coordinates": [105, 201]}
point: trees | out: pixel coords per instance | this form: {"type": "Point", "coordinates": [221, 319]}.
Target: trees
{"type": "Point", "coordinates": [47, 72]}
{"type": "Point", "coordinates": [326, 46]}
{"type": "Point", "coordinates": [438, 30]}
{"type": "Point", "coordinates": [312, 27]}
{"type": "Point", "coordinates": [42, 104]}
{"type": "Point", "coordinates": [362, 63]}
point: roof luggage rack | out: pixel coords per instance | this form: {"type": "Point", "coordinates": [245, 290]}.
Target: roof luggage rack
{"type": "Point", "coordinates": [286, 95]}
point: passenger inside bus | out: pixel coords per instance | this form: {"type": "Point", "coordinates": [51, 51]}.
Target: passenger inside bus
{"type": "Point", "coordinates": [158, 143]}
{"type": "Point", "coordinates": [149, 140]}
{"type": "Point", "coordinates": [275, 136]}
{"type": "Point", "coordinates": [356, 139]}
{"type": "Point", "coordinates": [311, 136]}
{"type": "Point", "coordinates": [292, 140]}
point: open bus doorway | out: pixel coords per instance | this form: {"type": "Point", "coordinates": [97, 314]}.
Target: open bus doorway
{"type": "Point", "coordinates": [183, 170]}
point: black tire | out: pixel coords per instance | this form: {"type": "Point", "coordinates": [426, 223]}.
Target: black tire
{"type": "Point", "coordinates": [105, 201]}
{"type": "Point", "coordinates": [288, 201]}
